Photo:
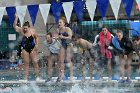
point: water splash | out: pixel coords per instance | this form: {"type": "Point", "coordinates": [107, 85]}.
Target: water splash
{"type": "Point", "coordinates": [32, 88]}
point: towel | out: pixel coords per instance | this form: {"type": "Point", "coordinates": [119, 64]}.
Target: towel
{"type": "Point", "coordinates": [105, 41]}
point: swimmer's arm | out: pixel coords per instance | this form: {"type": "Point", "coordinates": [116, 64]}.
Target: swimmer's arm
{"type": "Point", "coordinates": [17, 28]}
{"type": "Point", "coordinates": [95, 40]}
{"type": "Point", "coordinates": [36, 38]}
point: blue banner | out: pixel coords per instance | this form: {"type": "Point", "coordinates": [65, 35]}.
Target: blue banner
{"type": "Point", "coordinates": [102, 6]}
{"type": "Point", "coordinates": [79, 8]}
{"type": "Point", "coordinates": [128, 6]}
{"type": "Point", "coordinates": [54, 1]}
{"type": "Point", "coordinates": [33, 9]}
{"type": "Point", "coordinates": [11, 14]}
{"type": "Point", "coordinates": [69, 0]}
{"type": "Point", "coordinates": [56, 10]}
{"type": "Point", "coordinates": [135, 29]}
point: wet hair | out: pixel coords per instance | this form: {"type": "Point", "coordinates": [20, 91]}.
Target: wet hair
{"type": "Point", "coordinates": [135, 38]}
{"type": "Point", "coordinates": [26, 24]}
{"type": "Point", "coordinates": [119, 31]}
{"type": "Point", "coordinates": [49, 33]}
{"type": "Point", "coordinates": [104, 26]}
{"type": "Point", "coordinates": [64, 19]}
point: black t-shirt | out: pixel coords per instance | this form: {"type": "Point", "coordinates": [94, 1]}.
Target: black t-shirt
{"type": "Point", "coordinates": [126, 44]}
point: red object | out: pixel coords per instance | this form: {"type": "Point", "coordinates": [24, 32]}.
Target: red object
{"type": "Point", "coordinates": [105, 41]}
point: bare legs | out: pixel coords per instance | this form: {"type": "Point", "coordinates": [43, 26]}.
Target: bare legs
{"type": "Point", "coordinates": [69, 60]}
{"type": "Point", "coordinates": [33, 56]}
{"type": "Point", "coordinates": [65, 53]}
{"type": "Point", "coordinates": [109, 68]}
{"type": "Point", "coordinates": [125, 61]}
{"type": "Point", "coordinates": [26, 58]}
{"type": "Point", "coordinates": [49, 69]}
{"type": "Point", "coordinates": [52, 58]}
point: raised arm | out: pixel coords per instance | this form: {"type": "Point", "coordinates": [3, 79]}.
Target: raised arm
{"type": "Point", "coordinates": [17, 28]}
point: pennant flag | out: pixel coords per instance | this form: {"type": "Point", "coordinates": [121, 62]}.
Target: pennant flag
{"type": "Point", "coordinates": [44, 9]}
{"type": "Point", "coordinates": [115, 4]}
{"type": "Point", "coordinates": [33, 9]}
{"type": "Point", "coordinates": [102, 5]}
{"type": "Point", "coordinates": [79, 8]}
{"type": "Point", "coordinates": [56, 10]}
{"type": "Point", "coordinates": [1, 13]}
{"type": "Point", "coordinates": [91, 6]}
{"type": "Point", "coordinates": [11, 14]}
{"type": "Point", "coordinates": [135, 28]}
{"type": "Point", "coordinates": [21, 11]}
{"type": "Point", "coordinates": [138, 3]}
{"type": "Point", "coordinates": [68, 7]}
{"type": "Point", "coordinates": [128, 6]}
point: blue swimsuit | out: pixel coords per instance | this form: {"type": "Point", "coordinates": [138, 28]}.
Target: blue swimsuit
{"type": "Point", "coordinates": [28, 43]}
{"type": "Point", "coordinates": [64, 42]}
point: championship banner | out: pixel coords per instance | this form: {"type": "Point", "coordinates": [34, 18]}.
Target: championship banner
{"type": "Point", "coordinates": [21, 11]}
{"type": "Point", "coordinates": [68, 7]}
{"type": "Point", "coordinates": [91, 6]}
{"type": "Point", "coordinates": [1, 13]}
{"type": "Point", "coordinates": [115, 4]}
{"type": "Point", "coordinates": [11, 14]}
{"type": "Point", "coordinates": [33, 9]}
{"type": "Point", "coordinates": [44, 9]}
{"type": "Point", "coordinates": [102, 6]}
{"type": "Point", "coordinates": [56, 10]}
{"type": "Point", "coordinates": [128, 6]}
{"type": "Point", "coordinates": [79, 8]}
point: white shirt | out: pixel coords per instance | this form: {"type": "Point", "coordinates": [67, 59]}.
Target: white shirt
{"type": "Point", "coordinates": [54, 47]}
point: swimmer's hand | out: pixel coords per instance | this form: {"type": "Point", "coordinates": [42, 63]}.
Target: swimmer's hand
{"type": "Point", "coordinates": [110, 47]}
{"type": "Point", "coordinates": [61, 36]}
{"type": "Point", "coordinates": [36, 47]}
{"type": "Point", "coordinates": [94, 44]}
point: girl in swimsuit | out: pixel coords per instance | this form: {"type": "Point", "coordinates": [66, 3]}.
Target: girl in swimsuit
{"type": "Point", "coordinates": [65, 36]}
{"type": "Point", "coordinates": [29, 46]}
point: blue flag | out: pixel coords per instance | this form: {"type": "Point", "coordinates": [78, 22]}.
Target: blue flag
{"type": "Point", "coordinates": [11, 14]}
{"type": "Point", "coordinates": [79, 8]}
{"type": "Point", "coordinates": [56, 10]}
{"type": "Point", "coordinates": [135, 29]}
{"type": "Point", "coordinates": [128, 6]}
{"type": "Point", "coordinates": [102, 5]}
{"type": "Point", "coordinates": [33, 9]}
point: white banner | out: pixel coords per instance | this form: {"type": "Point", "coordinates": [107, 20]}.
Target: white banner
{"type": "Point", "coordinates": [44, 9]}
{"type": "Point", "coordinates": [1, 13]}
{"type": "Point", "coordinates": [68, 7]}
{"type": "Point", "coordinates": [138, 2]}
{"type": "Point", "coordinates": [21, 11]}
{"type": "Point", "coordinates": [115, 4]}
{"type": "Point", "coordinates": [91, 6]}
